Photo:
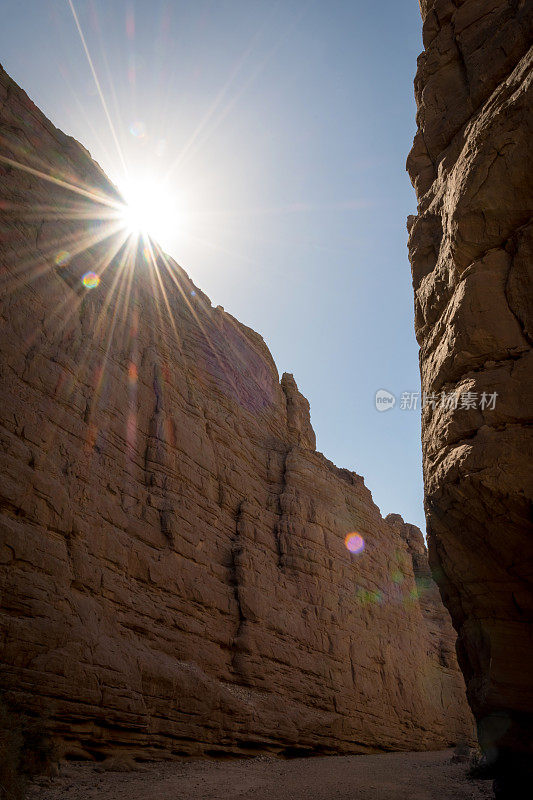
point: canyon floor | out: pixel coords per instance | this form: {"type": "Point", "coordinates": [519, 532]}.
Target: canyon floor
{"type": "Point", "coordinates": [392, 776]}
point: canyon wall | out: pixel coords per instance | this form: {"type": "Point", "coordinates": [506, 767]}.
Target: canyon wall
{"type": "Point", "coordinates": [174, 575]}
{"type": "Point", "coordinates": [471, 247]}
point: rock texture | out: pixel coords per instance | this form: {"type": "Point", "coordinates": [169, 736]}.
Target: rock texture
{"type": "Point", "coordinates": [471, 250]}
{"type": "Point", "coordinates": [173, 571]}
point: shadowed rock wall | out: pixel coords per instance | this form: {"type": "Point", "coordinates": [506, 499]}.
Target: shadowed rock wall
{"type": "Point", "coordinates": [173, 572]}
{"type": "Point", "coordinates": [471, 248]}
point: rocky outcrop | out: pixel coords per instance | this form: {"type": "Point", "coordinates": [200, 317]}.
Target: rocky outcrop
{"type": "Point", "coordinates": [174, 576]}
{"type": "Point", "coordinates": [470, 248]}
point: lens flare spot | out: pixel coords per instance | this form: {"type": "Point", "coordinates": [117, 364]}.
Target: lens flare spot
{"type": "Point", "coordinates": [354, 543]}
{"type": "Point", "coordinates": [412, 597]}
{"type": "Point", "coordinates": [366, 597]}
{"type": "Point", "coordinates": [62, 258]}
{"type": "Point", "coordinates": [132, 373]}
{"type": "Point", "coordinates": [90, 280]}
{"type": "Point", "coordinates": [138, 129]}
{"type": "Point", "coordinates": [397, 576]}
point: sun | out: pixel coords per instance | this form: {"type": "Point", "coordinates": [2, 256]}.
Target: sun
{"type": "Point", "coordinates": [150, 210]}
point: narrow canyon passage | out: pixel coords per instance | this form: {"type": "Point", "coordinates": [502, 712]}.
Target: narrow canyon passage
{"type": "Point", "coordinates": [195, 602]}
{"type": "Point", "coordinates": [184, 573]}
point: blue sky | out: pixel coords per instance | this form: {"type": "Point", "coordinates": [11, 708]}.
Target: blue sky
{"type": "Point", "coordinates": [286, 125]}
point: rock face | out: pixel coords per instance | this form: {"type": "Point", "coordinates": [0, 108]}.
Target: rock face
{"type": "Point", "coordinates": [471, 248]}
{"type": "Point", "coordinates": [174, 576]}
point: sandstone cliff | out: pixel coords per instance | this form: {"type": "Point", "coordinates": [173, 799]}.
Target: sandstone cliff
{"type": "Point", "coordinates": [174, 578]}
{"type": "Point", "coordinates": [471, 250]}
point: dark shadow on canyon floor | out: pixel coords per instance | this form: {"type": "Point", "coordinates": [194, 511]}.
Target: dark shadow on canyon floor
{"type": "Point", "coordinates": [417, 776]}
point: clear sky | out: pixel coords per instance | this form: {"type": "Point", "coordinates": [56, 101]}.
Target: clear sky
{"type": "Point", "coordinates": [278, 133]}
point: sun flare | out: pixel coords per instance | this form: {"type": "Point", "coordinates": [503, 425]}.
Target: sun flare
{"type": "Point", "coordinates": [150, 210]}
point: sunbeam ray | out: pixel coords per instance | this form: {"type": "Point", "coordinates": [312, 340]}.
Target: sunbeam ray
{"type": "Point", "coordinates": [99, 88]}
{"type": "Point", "coordinates": [91, 195]}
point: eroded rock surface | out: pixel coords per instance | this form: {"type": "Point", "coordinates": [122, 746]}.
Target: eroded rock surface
{"type": "Point", "coordinates": [173, 571]}
{"type": "Point", "coordinates": [471, 254]}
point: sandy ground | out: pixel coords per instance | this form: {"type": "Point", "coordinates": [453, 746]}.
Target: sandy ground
{"type": "Point", "coordinates": [393, 776]}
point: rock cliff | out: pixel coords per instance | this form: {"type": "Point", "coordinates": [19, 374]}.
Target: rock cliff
{"type": "Point", "coordinates": [471, 247]}
{"type": "Point", "coordinates": [174, 575]}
